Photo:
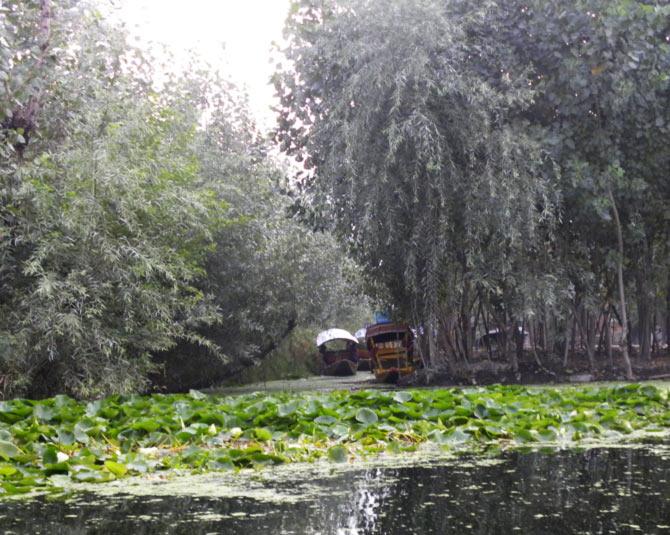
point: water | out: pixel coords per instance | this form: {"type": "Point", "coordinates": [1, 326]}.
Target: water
{"type": "Point", "coordinates": [615, 490]}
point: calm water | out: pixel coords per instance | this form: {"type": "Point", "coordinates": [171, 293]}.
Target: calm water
{"type": "Point", "coordinates": [596, 491]}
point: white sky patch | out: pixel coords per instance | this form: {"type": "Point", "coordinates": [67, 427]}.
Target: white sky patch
{"type": "Point", "coordinates": [234, 36]}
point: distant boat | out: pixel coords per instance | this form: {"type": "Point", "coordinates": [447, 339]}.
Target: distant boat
{"type": "Point", "coordinates": [392, 350]}
{"type": "Point", "coordinates": [337, 352]}
{"type": "Point", "coordinates": [364, 357]}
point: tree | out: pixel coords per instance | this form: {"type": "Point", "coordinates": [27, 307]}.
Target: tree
{"type": "Point", "coordinates": [91, 282]}
{"type": "Point", "coordinates": [418, 155]}
{"type": "Point", "coordinates": [267, 273]}
{"type": "Point", "coordinates": [501, 164]}
{"type": "Point", "coordinates": [143, 226]}
{"type": "Point", "coordinates": [600, 70]}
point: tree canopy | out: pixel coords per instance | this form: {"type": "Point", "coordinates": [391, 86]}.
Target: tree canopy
{"type": "Point", "coordinates": [137, 216]}
{"type": "Point", "coordinates": [481, 159]}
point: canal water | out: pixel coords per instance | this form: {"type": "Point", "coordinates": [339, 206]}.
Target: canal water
{"type": "Point", "coordinates": [606, 490]}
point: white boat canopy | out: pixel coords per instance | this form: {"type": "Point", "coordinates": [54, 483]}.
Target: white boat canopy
{"type": "Point", "coordinates": [334, 334]}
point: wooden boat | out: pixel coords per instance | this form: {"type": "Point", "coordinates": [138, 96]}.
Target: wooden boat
{"type": "Point", "coordinates": [392, 349]}
{"type": "Point", "coordinates": [340, 368]}
{"type": "Point", "coordinates": [364, 359]}
{"type": "Point", "coordinates": [337, 352]}
{"type": "Point", "coordinates": [362, 351]}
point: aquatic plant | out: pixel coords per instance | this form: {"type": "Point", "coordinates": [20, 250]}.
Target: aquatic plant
{"type": "Point", "coordinates": [46, 444]}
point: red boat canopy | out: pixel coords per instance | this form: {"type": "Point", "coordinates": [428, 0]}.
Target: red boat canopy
{"type": "Point", "coordinates": [387, 328]}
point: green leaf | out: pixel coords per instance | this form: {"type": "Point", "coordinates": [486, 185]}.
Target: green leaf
{"type": "Point", "coordinates": [7, 470]}
{"type": "Point", "coordinates": [50, 455]}
{"type": "Point", "coordinates": [262, 434]}
{"type": "Point", "coordinates": [403, 396]}
{"type": "Point", "coordinates": [286, 409]}
{"type": "Point", "coordinates": [115, 468]}
{"type": "Point", "coordinates": [457, 436]}
{"type": "Point", "coordinates": [146, 425]}
{"type": "Point", "coordinates": [92, 476]}
{"type": "Point", "coordinates": [44, 413]}
{"type": "Point", "coordinates": [440, 437]}
{"type": "Point", "coordinates": [8, 450]}
{"type": "Point", "coordinates": [366, 416]}
{"type": "Point", "coordinates": [14, 489]}
{"type": "Point", "coordinates": [56, 468]}
{"type": "Point", "coordinates": [65, 437]}
{"type": "Point", "coordinates": [80, 433]}
{"type": "Point", "coordinates": [325, 420]}
{"type": "Point", "coordinates": [338, 454]}
{"type": "Point", "coordinates": [93, 408]}
{"type": "Point", "coordinates": [339, 431]}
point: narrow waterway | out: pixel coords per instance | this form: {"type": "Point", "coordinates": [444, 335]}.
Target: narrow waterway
{"type": "Point", "coordinates": [607, 490]}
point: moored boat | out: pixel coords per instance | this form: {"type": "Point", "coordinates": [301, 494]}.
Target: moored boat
{"type": "Point", "coordinates": [337, 352]}
{"type": "Point", "coordinates": [340, 368]}
{"type": "Point", "coordinates": [391, 346]}
{"type": "Point", "coordinates": [362, 351]}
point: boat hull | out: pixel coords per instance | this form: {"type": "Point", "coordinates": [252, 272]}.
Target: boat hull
{"type": "Point", "coordinates": [391, 375]}
{"type": "Point", "coordinates": [365, 365]}
{"type": "Point", "coordinates": [340, 368]}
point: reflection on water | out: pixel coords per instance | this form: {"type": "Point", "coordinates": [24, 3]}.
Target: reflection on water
{"type": "Point", "coordinates": [595, 491]}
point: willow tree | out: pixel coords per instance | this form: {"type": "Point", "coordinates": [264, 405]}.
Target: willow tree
{"type": "Point", "coordinates": [96, 169]}
{"type": "Point", "coordinates": [134, 219]}
{"type": "Point", "coordinates": [406, 116]}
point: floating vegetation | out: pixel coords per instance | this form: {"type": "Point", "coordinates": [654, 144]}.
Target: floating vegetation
{"type": "Point", "coordinates": [49, 444]}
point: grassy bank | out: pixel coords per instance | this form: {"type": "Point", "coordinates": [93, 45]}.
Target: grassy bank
{"type": "Point", "coordinates": [295, 358]}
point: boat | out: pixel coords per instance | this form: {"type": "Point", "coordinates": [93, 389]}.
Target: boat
{"type": "Point", "coordinates": [337, 352]}
{"type": "Point", "coordinates": [391, 346]}
{"type": "Point", "coordinates": [364, 356]}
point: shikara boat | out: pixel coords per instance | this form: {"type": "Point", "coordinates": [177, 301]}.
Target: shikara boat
{"type": "Point", "coordinates": [391, 346]}
{"type": "Point", "coordinates": [337, 352]}
{"type": "Point", "coordinates": [364, 356]}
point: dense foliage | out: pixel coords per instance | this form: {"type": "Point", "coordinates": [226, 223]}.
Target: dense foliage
{"type": "Point", "coordinates": [497, 167]}
{"type": "Point", "coordinates": [136, 216]}
{"type": "Point", "coordinates": [49, 443]}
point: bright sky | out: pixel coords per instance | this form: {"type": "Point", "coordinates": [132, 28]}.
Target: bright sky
{"type": "Point", "coordinates": [247, 28]}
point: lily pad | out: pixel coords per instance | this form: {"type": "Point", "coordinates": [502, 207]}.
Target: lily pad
{"type": "Point", "coordinates": [367, 416]}
{"type": "Point", "coordinates": [338, 454]}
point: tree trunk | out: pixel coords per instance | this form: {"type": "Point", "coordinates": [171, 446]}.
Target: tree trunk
{"type": "Point", "coordinates": [586, 337]}
{"type": "Point", "coordinates": [644, 307]}
{"type": "Point", "coordinates": [622, 294]}
{"type": "Point", "coordinates": [518, 347]}
{"type": "Point", "coordinates": [569, 340]}
{"type": "Point", "coordinates": [465, 323]}
{"type": "Point", "coordinates": [545, 335]}
{"type": "Point", "coordinates": [605, 316]}
{"type": "Point", "coordinates": [655, 346]}
{"type": "Point", "coordinates": [432, 341]}
{"type": "Point", "coordinates": [487, 340]}
{"type": "Point", "coordinates": [608, 337]}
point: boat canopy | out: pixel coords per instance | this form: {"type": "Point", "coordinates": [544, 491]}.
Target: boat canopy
{"type": "Point", "coordinates": [386, 328]}
{"type": "Point", "coordinates": [334, 334]}
{"type": "Point", "coordinates": [360, 334]}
